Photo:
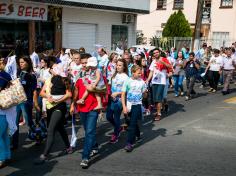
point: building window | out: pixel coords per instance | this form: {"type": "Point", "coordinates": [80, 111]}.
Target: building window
{"type": "Point", "coordinates": [178, 4]}
{"type": "Point", "coordinates": [220, 39]}
{"type": "Point", "coordinates": [119, 37]}
{"type": "Point", "coordinates": [161, 4]}
{"type": "Point", "coordinates": [226, 3]}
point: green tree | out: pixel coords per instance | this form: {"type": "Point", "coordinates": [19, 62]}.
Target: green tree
{"type": "Point", "coordinates": [177, 26]}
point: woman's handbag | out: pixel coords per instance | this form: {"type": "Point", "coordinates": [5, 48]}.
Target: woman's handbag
{"type": "Point", "coordinates": [13, 95]}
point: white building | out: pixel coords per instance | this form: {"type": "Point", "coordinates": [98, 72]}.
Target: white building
{"type": "Point", "coordinates": [218, 19]}
{"type": "Point", "coordinates": [105, 22]}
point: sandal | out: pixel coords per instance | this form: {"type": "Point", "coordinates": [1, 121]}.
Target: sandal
{"type": "Point", "coordinates": [158, 117]}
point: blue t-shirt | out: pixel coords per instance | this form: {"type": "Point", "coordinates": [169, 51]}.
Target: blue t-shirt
{"type": "Point", "coordinates": [190, 69]}
{"type": "Point", "coordinates": [3, 82]}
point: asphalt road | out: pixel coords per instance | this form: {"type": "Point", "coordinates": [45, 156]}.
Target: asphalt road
{"type": "Point", "coordinates": [196, 138]}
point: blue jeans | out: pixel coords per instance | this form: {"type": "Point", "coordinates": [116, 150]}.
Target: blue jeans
{"type": "Point", "coordinates": [133, 129]}
{"type": "Point", "coordinates": [26, 110]}
{"type": "Point", "coordinates": [113, 114]}
{"type": "Point", "coordinates": [89, 120]}
{"type": "Point", "coordinates": [5, 152]}
{"type": "Point", "coordinates": [178, 81]}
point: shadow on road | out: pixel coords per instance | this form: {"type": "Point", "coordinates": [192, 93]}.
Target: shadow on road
{"type": "Point", "coordinates": [26, 170]}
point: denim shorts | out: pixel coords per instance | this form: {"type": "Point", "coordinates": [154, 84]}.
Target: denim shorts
{"type": "Point", "coordinates": [158, 92]}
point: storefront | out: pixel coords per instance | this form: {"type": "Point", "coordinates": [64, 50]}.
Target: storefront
{"type": "Point", "coordinates": [26, 27]}
{"type": "Point", "coordinates": [90, 27]}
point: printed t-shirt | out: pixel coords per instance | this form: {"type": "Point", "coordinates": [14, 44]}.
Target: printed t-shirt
{"type": "Point", "coordinates": [75, 70]}
{"type": "Point", "coordinates": [159, 76]}
{"type": "Point", "coordinates": [111, 68]}
{"type": "Point", "coordinates": [216, 63]}
{"type": "Point", "coordinates": [134, 89]}
{"type": "Point", "coordinates": [118, 81]}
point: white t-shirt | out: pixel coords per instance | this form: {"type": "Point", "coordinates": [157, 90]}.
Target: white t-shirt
{"type": "Point", "coordinates": [65, 62]}
{"type": "Point", "coordinates": [118, 81]}
{"type": "Point", "coordinates": [75, 70]}
{"type": "Point", "coordinates": [216, 63]}
{"type": "Point", "coordinates": [35, 59]}
{"type": "Point", "coordinates": [228, 63]}
{"type": "Point", "coordinates": [159, 77]}
{"type": "Point", "coordinates": [44, 74]}
{"type": "Point", "coordinates": [11, 67]}
{"type": "Point", "coordinates": [134, 89]}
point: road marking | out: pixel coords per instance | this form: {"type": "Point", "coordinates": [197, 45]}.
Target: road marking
{"type": "Point", "coordinates": [231, 100]}
{"type": "Point", "coordinates": [227, 107]}
{"type": "Point", "coordinates": [215, 133]}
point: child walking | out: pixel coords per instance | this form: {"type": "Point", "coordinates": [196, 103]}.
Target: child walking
{"type": "Point", "coordinates": [134, 88]}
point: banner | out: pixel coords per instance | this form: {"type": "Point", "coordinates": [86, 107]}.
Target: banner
{"type": "Point", "coordinates": [23, 11]}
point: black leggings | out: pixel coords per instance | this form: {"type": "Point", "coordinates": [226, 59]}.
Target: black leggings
{"type": "Point", "coordinates": [56, 123]}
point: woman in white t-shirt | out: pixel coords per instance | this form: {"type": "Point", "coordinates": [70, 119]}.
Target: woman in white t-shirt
{"type": "Point", "coordinates": [114, 108]}
{"type": "Point", "coordinates": [44, 74]}
{"type": "Point", "coordinates": [214, 69]}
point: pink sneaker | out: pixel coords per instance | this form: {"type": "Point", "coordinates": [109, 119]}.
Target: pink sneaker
{"type": "Point", "coordinates": [114, 139]}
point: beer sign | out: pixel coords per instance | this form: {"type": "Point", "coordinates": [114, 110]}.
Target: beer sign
{"type": "Point", "coordinates": [23, 11]}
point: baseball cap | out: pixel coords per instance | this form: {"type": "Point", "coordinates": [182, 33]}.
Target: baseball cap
{"type": "Point", "coordinates": [92, 62]}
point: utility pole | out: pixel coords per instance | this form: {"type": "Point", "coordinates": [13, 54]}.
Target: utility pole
{"type": "Point", "coordinates": [198, 24]}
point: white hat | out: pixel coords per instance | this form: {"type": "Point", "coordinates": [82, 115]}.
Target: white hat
{"type": "Point", "coordinates": [92, 62]}
{"type": "Point", "coordinates": [67, 51]}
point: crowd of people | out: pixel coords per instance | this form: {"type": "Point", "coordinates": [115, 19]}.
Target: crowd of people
{"type": "Point", "coordinates": [134, 82]}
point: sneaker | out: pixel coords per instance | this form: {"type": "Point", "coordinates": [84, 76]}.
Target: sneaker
{"type": "Point", "coordinates": [187, 98]}
{"type": "Point", "coordinates": [128, 148]}
{"type": "Point", "coordinates": [176, 95]}
{"type": "Point", "coordinates": [210, 90]}
{"type": "Point", "coordinates": [93, 152]}
{"type": "Point", "coordinates": [213, 91]}
{"type": "Point", "coordinates": [114, 139]}
{"type": "Point", "coordinates": [84, 163]}
{"type": "Point", "coordinates": [182, 93]}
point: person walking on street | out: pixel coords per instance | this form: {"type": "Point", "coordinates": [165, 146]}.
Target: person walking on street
{"type": "Point", "coordinates": [191, 71]}
{"type": "Point", "coordinates": [229, 63]}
